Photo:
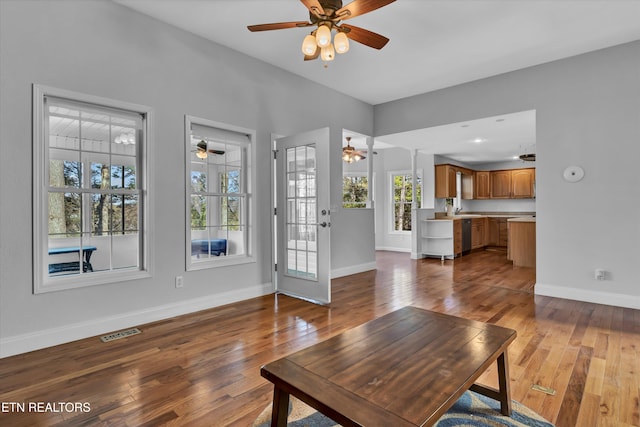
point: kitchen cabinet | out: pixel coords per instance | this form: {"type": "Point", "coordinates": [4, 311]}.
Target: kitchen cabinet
{"type": "Point", "coordinates": [468, 190]}
{"type": "Point", "coordinates": [522, 242]}
{"type": "Point", "coordinates": [482, 183]}
{"type": "Point", "coordinates": [513, 184]}
{"type": "Point", "coordinates": [497, 232]}
{"type": "Point", "coordinates": [477, 233]}
{"type": "Point", "coordinates": [457, 237]}
{"type": "Point", "coordinates": [503, 236]}
{"type": "Point", "coordinates": [501, 184]}
{"type": "Point", "coordinates": [522, 183]}
{"type": "Point", "coordinates": [445, 177]}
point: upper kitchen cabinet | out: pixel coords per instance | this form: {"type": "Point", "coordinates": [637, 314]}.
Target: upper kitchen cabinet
{"type": "Point", "coordinates": [523, 183]}
{"type": "Point", "coordinates": [482, 185]}
{"type": "Point", "coordinates": [513, 184]}
{"type": "Point", "coordinates": [497, 184]}
{"type": "Point", "coordinates": [445, 176]}
{"type": "Point", "coordinates": [501, 184]}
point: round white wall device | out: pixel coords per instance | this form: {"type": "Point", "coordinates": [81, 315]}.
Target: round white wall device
{"type": "Point", "coordinates": [573, 174]}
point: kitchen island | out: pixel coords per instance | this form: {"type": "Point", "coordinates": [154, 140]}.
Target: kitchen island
{"type": "Point", "coordinates": [521, 247]}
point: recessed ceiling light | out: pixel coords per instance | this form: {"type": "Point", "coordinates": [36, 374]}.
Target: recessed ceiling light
{"type": "Point", "coordinates": [478, 140]}
{"type": "Point", "coordinates": [499, 120]}
{"type": "Point", "coordinates": [465, 125]}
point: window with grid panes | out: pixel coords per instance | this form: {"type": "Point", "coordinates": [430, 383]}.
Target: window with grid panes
{"type": "Point", "coordinates": [218, 194]}
{"type": "Point", "coordinates": [89, 190]}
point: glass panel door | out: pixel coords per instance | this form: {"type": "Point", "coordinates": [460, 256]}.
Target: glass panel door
{"type": "Point", "coordinates": [303, 220]}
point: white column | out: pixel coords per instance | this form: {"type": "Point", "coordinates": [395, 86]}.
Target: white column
{"type": "Point", "coordinates": [416, 247]}
{"type": "Point", "coordinates": [370, 172]}
{"type": "Point", "coordinates": [414, 177]}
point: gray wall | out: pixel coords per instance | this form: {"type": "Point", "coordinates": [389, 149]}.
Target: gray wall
{"type": "Point", "coordinates": [104, 49]}
{"type": "Point", "coordinates": [587, 114]}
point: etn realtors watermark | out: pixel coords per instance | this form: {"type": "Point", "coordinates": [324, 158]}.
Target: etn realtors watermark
{"type": "Point", "coordinates": [44, 407]}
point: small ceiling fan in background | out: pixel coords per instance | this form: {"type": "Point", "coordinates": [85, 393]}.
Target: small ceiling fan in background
{"type": "Point", "coordinates": [350, 154]}
{"type": "Point", "coordinates": [327, 16]}
{"type": "Point", "coordinates": [202, 152]}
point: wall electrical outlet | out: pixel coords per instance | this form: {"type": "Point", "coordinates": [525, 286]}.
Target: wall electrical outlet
{"type": "Point", "coordinates": [179, 281]}
{"type": "Point", "coordinates": [600, 274]}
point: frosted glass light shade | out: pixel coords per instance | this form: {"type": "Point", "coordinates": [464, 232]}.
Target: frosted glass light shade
{"type": "Point", "coordinates": [341, 42]}
{"type": "Point", "coordinates": [323, 36]}
{"type": "Point", "coordinates": [309, 45]}
{"type": "Point", "coordinates": [328, 53]}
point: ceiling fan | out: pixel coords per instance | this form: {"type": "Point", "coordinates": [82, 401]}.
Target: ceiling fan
{"type": "Point", "coordinates": [202, 151]}
{"type": "Point", "coordinates": [327, 16]}
{"type": "Point", "coordinates": [350, 154]}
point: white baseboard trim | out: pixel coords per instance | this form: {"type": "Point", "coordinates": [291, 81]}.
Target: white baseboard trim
{"type": "Point", "coordinates": [607, 298]}
{"type": "Point", "coordinates": [62, 334]}
{"type": "Point", "coordinates": [353, 269]}
{"type": "Point", "coordinates": [392, 249]}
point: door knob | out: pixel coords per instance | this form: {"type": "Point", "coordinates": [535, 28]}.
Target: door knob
{"type": "Point", "coordinates": [323, 224]}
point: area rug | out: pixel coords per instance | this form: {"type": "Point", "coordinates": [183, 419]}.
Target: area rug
{"type": "Point", "coordinates": [471, 410]}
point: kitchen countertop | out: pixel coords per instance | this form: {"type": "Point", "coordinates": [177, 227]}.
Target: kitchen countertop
{"type": "Point", "coordinates": [528, 216]}
{"type": "Point", "coordinates": [523, 219]}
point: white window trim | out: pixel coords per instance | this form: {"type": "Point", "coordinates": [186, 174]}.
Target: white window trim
{"type": "Point", "coordinates": [250, 178]}
{"type": "Point", "coordinates": [390, 222]}
{"type": "Point", "coordinates": [42, 283]}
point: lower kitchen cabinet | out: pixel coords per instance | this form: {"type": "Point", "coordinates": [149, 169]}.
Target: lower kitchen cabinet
{"type": "Point", "coordinates": [457, 237]}
{"type": "Point", "coordinates": [478, 233]}
{"type": "Point", "coordinates": [497, 232]}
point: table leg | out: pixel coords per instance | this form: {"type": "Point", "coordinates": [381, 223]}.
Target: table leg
{"type": "Point", "coordinates": [503, 381]}
{"type": "Point", "coordinates": [280, 410]}
{"type": "Point", "coordinates": [87, 256]}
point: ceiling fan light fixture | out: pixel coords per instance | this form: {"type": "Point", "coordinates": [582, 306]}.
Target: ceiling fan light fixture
{"type": "Point", "coordinates": [201, 151]}
{"type": "Point", "coordinates": [323, 36]}
{"type": "Point", "coordinates": [328, 53]}
{"type": "Point", "coordinates": [309, 45]}
{"type": "Point", "coordinates": [341, 42]}
{"type": "Point", "coordinates": [530, 157]}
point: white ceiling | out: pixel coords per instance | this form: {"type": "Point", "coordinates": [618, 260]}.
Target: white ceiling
{"type": "Point", "coordinates": [433, 43]}
{"type": "Point", "coordinates": [491, 139]}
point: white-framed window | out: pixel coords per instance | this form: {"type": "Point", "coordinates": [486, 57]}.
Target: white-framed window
{"type": "Point", "coordinates": [90, 180]}
{"type": "Point", "coordinates": [219, 184]}
{"type": "Point", "coordinates": [355, 189]}
{"type": "Point", "coordinates": [402, 199]}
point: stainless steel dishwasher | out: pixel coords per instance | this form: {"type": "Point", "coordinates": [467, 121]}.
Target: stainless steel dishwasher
{"type": "Point", "coordinates": [466, 236]}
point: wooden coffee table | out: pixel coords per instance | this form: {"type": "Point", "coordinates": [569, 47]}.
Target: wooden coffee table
{"type": "Point", "coordinates": [406, 368]}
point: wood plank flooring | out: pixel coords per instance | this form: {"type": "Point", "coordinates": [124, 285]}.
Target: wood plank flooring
{"type": "Point", "coordinates": [202, 369]}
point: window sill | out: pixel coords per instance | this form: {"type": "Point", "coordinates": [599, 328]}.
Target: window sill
{"type": "Point", "coordinates": [61, 283]}
{"type": "Point", "coordinates": [222, 261]}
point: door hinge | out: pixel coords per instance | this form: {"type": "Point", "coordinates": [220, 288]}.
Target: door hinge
{"type": "Point", "coordinates": [275, 211]}
{"type": "Point", "coordinates": [275, 154]}
{"type": "Point", "coordinates": [275, 267]}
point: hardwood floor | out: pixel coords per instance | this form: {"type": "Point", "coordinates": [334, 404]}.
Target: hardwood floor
{"type": "Point", "coordinates": [202, 369]}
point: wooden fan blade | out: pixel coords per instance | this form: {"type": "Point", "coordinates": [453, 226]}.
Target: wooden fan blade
{"type": "Point", "coordinates": [360, 7]}
{"type": "Point", "coordinates": [314, 6]}
{"type": "Point", "coordinates": [279, 26]}
{"type": "Point", "coordinates": [366, 37]}
{"type": "Point", "coordinates": [312, 57]}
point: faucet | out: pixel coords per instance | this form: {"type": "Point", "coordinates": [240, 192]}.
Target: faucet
{"type": "Point", "coordinates": [457, 211]}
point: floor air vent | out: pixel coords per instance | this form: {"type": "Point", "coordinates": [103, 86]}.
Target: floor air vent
{"type": "Point", "coordinates": [121, 334]}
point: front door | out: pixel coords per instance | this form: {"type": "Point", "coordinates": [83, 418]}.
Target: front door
{"type": "Point", "coordinates": [303, 217]}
